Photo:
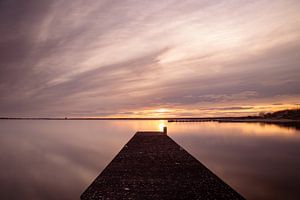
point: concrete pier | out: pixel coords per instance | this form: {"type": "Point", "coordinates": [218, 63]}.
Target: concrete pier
{"type": "Point", "coordinates": [152, 166]}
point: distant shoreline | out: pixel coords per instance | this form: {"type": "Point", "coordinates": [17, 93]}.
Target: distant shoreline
{"type": "Point", "coordinates": [170, 119]}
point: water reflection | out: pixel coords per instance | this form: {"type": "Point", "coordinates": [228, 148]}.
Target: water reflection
{"type": "Point", "coordinates": [161, 125]}
{"type": "Point", "coordinates": [59, 159]}
{"type": "Point", "coordinates": [258, 160]}
{"type": "Point", "coordinates": [292, 125]}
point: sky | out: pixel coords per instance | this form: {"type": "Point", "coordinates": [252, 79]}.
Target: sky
{"type": "Point", "coordinates": [148, 58]}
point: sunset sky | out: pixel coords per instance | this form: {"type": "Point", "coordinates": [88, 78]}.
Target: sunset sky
{"type": "Point", "coordinates": [148, 58]}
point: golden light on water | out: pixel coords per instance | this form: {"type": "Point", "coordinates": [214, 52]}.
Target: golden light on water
{"type": "Point", "coordinates": [141, 125]}
{"type": "Point", "coordinates": [234, 129]}
{"type": "Point", "coordinates": [161, 125]}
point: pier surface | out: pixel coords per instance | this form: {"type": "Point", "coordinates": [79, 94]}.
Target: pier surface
{"type": "Point", "coordinates": [152, 166]}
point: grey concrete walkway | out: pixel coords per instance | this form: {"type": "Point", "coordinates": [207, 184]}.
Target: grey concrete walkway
{"type": "Point", "coordinates": [152, 166]}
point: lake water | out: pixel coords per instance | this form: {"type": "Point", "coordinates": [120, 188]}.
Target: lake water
{"type": "Point", "coordinates": [43, 159]}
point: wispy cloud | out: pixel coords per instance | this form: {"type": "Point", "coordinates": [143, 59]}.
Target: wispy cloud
{"type": "Point", "coordinates": [121, 57]}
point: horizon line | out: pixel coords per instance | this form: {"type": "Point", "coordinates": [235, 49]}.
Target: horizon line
{"type": "Point", "coordinates": [125, 118]}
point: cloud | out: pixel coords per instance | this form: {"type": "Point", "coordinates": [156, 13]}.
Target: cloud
{"type": "Point", "coordinates": [105, 57]}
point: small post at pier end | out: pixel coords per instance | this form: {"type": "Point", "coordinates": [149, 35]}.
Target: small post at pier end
{"type": "Point", "coordinates": [165, 130]}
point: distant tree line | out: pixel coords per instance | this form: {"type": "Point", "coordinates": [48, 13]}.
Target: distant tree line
{"type": "Point", "coordinates": [282, 114]}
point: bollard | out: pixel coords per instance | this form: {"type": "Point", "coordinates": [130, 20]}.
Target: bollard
{"type": "Point", "coordinates": [165, 130]}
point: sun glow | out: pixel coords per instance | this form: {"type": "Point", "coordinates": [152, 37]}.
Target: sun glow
{"type": "Point", "coordinates": [161, 125]}
{"type": "Point", "coordinates": [162, 110]}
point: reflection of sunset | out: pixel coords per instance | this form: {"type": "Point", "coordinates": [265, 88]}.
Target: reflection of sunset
{"type": "Point", "coordinates": [259, 129]}
{"type": "Point", "coordinates": [141, 125]}
{"type": "Point", "coordinates": [211, 128]}
{"type": "Point", "coordinates": [214, 128]}
{"type": "Point", "coordinates": [161, 125]}
{"type": "Point", "coordinates": [264, 129]}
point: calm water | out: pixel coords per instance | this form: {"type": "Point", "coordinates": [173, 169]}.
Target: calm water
{"type": "Point", "coordinates": [59, 159]}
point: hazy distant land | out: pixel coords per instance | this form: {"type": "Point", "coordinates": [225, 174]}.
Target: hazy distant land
{"type": "Point", "coordinates": [291, 115]}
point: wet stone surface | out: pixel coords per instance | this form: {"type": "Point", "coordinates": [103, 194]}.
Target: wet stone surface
{"type": "Point", "coordinates": [152, 166]}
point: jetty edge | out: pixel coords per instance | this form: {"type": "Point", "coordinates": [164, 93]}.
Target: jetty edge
{"type": "Point", "coordinates": [153, 166]}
